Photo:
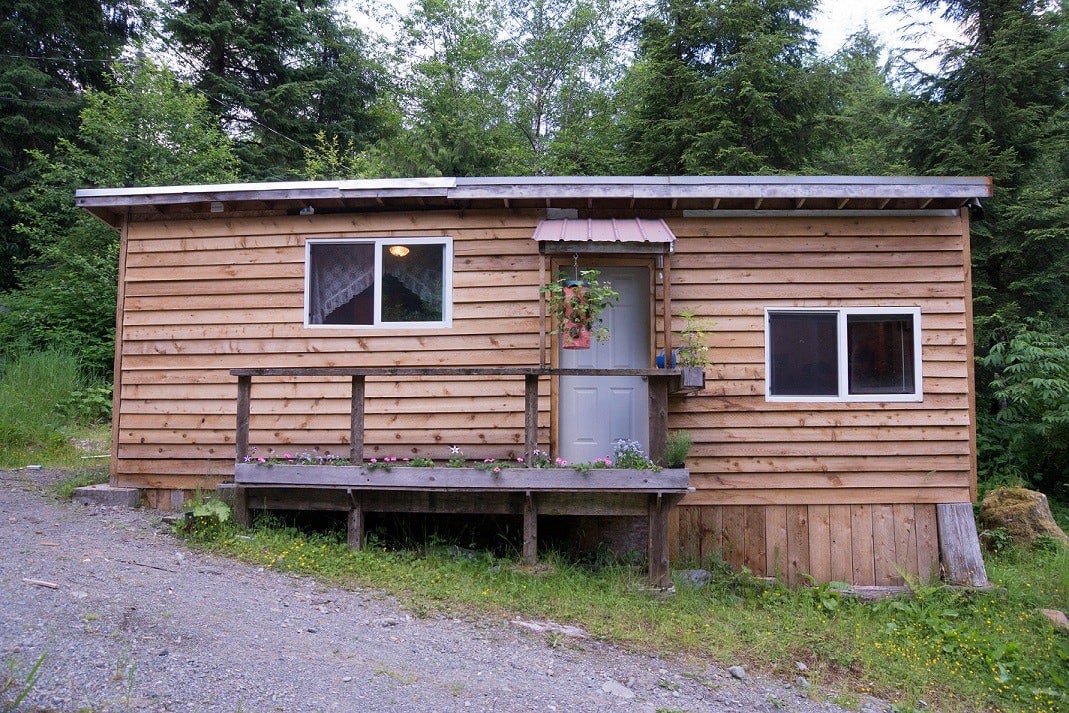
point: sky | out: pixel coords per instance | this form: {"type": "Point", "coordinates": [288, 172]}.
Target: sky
{"type": "Point", "coordinates": [838, 19]}
{"type": "Point", "coordinates": [835, 20]}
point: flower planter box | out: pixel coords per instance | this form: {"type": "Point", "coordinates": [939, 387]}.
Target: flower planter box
{"type": "Point", "coordinates": [463, 479]}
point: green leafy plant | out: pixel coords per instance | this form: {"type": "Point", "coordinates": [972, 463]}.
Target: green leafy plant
{"type": "Point", "coordinates": [693, 347]}
{"type": "Point", "coordinates": [677, 449]}
{"type": "Point", "coordinates": [578, 304]}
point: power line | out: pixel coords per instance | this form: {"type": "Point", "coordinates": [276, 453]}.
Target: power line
{"type": "Point", "coordinates": [73, 60]}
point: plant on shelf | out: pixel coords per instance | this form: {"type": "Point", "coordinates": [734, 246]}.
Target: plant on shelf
{"type": "Point", "coordinates": [577, 305]}
{"type": "Point", "coordinates": [693, 346]}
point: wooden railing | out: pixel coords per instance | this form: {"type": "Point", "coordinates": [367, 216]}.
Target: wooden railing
{"type": "Point", "coordinates": [660, 381]}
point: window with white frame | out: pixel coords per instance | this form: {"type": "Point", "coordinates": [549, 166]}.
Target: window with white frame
{"type": "Point", "coordinates": [380, 282]}
{"type": "Point", "coordinates": [843, 354]}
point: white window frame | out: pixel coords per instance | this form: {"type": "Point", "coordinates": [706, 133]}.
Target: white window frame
{"type": "Point", "coordinates": [379, 243]}
{"type": "Point", "coordinates": [844, 394]}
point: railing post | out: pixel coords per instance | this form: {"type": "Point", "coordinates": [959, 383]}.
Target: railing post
{"type": "Point", "coordinates": [242, 435]}
{"type": "Point", "coordinates": [658, 408]}
{"type": "Point", "coordinates": [356, 422]}
{"type": "Point", "coordinates": [530, 417]}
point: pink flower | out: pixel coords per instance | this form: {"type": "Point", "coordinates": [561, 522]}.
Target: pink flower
{"type": "Point", "coordinates": [497, 470]}
{"type": "Point", "coordinates": [261, 460]}
{"type": "Point", "coordinates": [374, 460]}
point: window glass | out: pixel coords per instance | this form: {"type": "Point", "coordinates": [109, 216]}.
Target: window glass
{"type": "Point", "coordinates": [412, 283]}
{"type": "Point", "coordinates": [378, 282]}
{"type": "Point", "coordinates": [804, 354]}
{"type": "Point", "coordinates": [847, 353]}
{"type": "Point", "coordinates": [880, 349]}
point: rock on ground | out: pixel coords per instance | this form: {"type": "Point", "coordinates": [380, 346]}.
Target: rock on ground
{"type": "Point", "coordinates": [126, 618]}
{"type": "Point", "coordinates": [1024, 514]}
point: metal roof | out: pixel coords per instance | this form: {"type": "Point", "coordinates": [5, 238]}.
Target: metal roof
{"type": "Point", "coordinates": [588, 193]}
{"type": "Point", "coordinates": [612, 230]}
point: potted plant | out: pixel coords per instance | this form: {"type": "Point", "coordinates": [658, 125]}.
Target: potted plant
{"type": "Point", "coordinates": [577, 306]}
{"type": "Point", "coordinates": [693, 353]}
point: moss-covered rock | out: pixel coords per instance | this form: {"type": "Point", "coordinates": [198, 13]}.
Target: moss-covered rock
{"type": "Point", "coordinates": [1023, 514]}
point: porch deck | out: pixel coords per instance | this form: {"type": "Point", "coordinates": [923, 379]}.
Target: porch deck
{"type": "Point", "coordinates": [525, 491]}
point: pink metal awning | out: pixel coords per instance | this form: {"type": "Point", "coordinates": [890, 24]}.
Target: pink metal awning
{"type": "Point", "coordinates": [626, 230]}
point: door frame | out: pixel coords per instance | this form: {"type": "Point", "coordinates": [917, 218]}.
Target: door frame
{"type": "Point", "coordinates": [559, 262]}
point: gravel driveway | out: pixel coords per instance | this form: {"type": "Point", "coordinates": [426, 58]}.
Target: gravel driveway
{"type": "Point", "coordinates": [135, 621]}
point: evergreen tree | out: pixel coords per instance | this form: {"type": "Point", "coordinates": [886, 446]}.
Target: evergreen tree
{"type": "Point", "coordinates": [50, 52]}
{"type": "Point", "coordinates": [999, 108]}
{"type": "Point", "coordinates": [278, 72]}
{"type": "Point", "coordinates": [144, 130]}
{"type": "Point", "coordinates": [864, 124]}
{"type": "Point", "coordinates": [722, 87]}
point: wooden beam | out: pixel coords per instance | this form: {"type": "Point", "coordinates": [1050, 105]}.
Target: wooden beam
{"type": "Point", "coordinates": [530, 417]}
{"type": "Point", "coordinates": [356, 420]}
{"type": "Point", "coordinates": [242, 428]}
{"type": "Point", "coordinates": [356, 526]}
{"type": "Point", "coordinates": [658, 412]}
{"type": "Point", "coordinates": [241, 506]}
{"type": "Point", "coordinates": [530, 530]}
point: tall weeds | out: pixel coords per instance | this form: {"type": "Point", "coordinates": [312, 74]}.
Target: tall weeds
{"type": "Point", "coordinates": [42, 398]}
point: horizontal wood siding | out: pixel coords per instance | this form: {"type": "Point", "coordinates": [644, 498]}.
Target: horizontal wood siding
{"type": "Point", "coordinates": [868, 545]}
{"type": "Point", "coordinates": [832, 490]}
{"type": "Point", "coordinates": [204, 296]}
{"type": "Point", "coordinates": [748, 451]}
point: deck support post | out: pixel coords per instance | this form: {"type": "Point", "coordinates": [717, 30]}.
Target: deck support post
{"type": "Point", "coordinates": [530, 417]}
{"type": "Point", "coordinates": [659, 507]}
{"type": "Point", "coordinates": [356, 522]}
{"type": "Point", "coordinates": [530, 530]}
{"type": "Point", "coordinates": [356, 421]}
{"type": "Point", "coordinates": [242, 435]}
{"type": "Point", "coordinates": [241, 506]}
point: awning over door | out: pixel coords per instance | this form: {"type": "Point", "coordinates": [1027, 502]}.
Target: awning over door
{"type": "Point", "coordinates": [630, 235]}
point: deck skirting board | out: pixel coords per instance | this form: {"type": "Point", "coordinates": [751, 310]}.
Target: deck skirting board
{"type": "Point", "coordinates": [882, 545]}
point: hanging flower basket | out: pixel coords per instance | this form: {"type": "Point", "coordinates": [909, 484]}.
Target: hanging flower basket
{"type": "Point", "coordinates": [575, 334]}
{"type": "Point", "coordinates": [577, 306]}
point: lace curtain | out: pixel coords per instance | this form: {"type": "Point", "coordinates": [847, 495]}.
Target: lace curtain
{"type": "Point", "coordinates": [341, 271]}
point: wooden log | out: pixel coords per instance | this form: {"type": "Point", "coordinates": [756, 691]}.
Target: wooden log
{"type": "Point", "coordinates": [959, 545]}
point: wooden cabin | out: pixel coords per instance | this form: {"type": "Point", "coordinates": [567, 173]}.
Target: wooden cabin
{"type": "Point", "coordinates": [837, 414]}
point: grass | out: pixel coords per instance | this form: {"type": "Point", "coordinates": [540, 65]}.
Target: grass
{"type": "Point", "coordinates": [955, 651]}
{"type": "Point", "coordinates": [50, 410]}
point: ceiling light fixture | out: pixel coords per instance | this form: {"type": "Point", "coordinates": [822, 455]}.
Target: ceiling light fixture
{"type": "Point", "coordinates": [398, 250]}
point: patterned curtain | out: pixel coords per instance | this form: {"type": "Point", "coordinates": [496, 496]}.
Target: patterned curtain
{"type": "Point", "coordinates": [339, 272]}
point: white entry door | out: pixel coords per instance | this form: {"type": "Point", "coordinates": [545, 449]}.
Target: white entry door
{"type": "Point", "coordinates": [595, 411]}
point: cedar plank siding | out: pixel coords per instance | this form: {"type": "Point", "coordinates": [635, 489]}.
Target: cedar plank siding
{"type": "Point", "coordinates": [839, 491]}
{"type": "Point", "coordinates": [205, 296]}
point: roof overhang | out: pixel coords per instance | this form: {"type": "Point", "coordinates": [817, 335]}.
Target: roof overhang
{"type": "Point", "coordinates": [633, 235]}
{"type": "Point", "coordinates": [595, 196]}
